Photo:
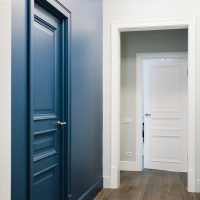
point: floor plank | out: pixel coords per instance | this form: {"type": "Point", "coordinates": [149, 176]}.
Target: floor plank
{"type": "Point", "coordinates": [150, 185]}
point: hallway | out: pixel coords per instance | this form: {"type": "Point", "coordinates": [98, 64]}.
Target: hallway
{"type": "Point", "coordinates": [150, 185]}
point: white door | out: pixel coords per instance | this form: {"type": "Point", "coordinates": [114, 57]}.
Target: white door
{"type": "Point", "coordinates": [165, 114]}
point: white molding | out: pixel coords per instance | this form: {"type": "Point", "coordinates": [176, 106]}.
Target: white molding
{"type": "Point", "coordinates": [197, 186]}
{"type": "Point", "coordinates": [191, 178]}
{"type": "Point", "coordinates": [139, 58]}
{"type": "Point", "coordinates": [115, 108]}
{"type": "Point", "coordinates": [106, 182]}
{"type": "Point", "coordinates": [128, 166]}
{"type": "Point", "coordinates": [191, 104]}
{"type": "Point", "coordinates": [115, 177]}
{"type": "Point", "coordinates": [138, 115]}
{"type": "Point", "coordinates": [116, 28]}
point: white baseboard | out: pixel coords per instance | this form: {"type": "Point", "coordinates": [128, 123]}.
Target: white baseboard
{"type": "Point", "coordinates": [128, 165]}
{"type": "Point", "coordinates": [197, 186]}
{"type": "Point", "coordinates": [115, 177]}
{"type": "Point", "coordinates": [191, 181]}
{"type": "Point", "coordinates": [106, 182]}
{"type": "Point", "coordinates": [112, 181]}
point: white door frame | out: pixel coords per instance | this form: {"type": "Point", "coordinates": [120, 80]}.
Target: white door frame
{"type": "Point", "coordinates": [139, 82]}
{"type": "Point", "coordinates": [116, 29]}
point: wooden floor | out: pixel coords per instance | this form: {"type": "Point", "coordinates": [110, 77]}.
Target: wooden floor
{"type": "Point", "coordinates": [150, 185]}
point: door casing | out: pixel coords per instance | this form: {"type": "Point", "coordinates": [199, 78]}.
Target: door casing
{"type": "Point", "coordinates": [65, 16]}
{"type": "Point", "coordinates": [162, 24]}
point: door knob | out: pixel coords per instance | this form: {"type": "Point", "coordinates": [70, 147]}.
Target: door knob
{"type": "Point", "coordinates": [147, 114]}
{"type": "Point", "coordinates": [61, 123]}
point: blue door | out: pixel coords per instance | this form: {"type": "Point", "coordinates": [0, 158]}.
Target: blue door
{"type": "Point", "coordinates": [47, 124]}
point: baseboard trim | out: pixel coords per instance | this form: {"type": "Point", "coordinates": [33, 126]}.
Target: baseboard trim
{"type": "Point", "coordinates": [93, 191]}
{"type": "Point", "coordinates": [128, 165]}
{"type": "Point", "coordinates": [115, 177]}
{"type": "Point", "coordinates": [191, 181]}
{"type": "Point", "coordinates": [197, 189]}
{"type": "Point", "coordinates": [106, 182]}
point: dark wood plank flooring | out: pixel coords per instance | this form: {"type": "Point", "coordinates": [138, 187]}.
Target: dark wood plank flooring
{"type": "Point", "coordinates": [150, 185]}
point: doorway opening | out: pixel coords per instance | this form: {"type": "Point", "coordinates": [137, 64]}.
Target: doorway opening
{"type": "Point", "coordinates": [116, 101]}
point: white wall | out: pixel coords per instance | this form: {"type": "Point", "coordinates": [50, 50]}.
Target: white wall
{"type": "Point", "coordinates": [139, 10]}
{"type": "Point", "coordinates": [5, 99]}
{"type": "Point", "coordinates": [140, 42]}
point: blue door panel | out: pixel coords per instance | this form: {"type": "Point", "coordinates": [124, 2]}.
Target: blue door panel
{"type": "Point", "coordinates": [46, 143]}
{"type": "Point", "coordinates": [43, 182]}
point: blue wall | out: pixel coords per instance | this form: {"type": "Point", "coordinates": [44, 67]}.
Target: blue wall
{"type": "Point", "coordinates": [86, 77]}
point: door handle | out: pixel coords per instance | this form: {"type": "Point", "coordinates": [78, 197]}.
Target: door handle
{"type": "Point", "coordinates": [59, 123]}
{"type": "Point", "coordinates": [147, 115]}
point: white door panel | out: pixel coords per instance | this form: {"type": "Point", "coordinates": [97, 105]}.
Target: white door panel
{"type": "Point", "coordinates": [165, 99]}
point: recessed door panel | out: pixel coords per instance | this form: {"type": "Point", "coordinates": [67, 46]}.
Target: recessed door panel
{"type": "Point", "coordinates": [44, 64]}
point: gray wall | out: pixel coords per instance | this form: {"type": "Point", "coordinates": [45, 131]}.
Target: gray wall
{"type": "Point", "coordinates": [141, 42]}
